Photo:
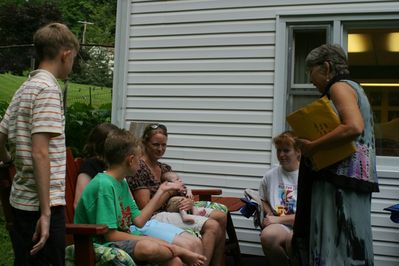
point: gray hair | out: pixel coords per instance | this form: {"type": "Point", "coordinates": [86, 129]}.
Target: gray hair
{"type": "Point", "coordinates": [331, 53]}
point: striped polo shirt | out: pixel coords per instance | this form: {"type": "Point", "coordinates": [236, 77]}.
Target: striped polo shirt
{"type": "Point", "coordinates": [36, 108]}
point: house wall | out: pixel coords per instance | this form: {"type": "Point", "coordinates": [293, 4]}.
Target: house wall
{"type": "Point", "coordinates": [208, 71]}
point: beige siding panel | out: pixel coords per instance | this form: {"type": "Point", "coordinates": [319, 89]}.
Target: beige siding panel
{"type": "Point", "coordinates": [251, 248]}
{"type": "Point", "coordinates": [383, 219]}
{"type": "Point", "coordinates": [386, 261]}
{"type": "Point", "coordinates": [228, 189]}
{"type": "Point", "coordinates": [216, 129]}
{"type": "Point", "coordinates": [202, 40]}
{"type": "Point", "coordinates": [386, 248]}
{"type": "Point", "coordinates": [201, 65]}
{"type": "Point", "coordinates": [389, 173]}
{"type": "Point", "coordinates": [247, 235]}
{"type": "Point", "coordinates": [220, 129]}
{"type": "Point", "coordinates": [202, 16]}
{"type": "Point", "coordinates": [219, 180]}
{"type": "Point", "coordinates": [258, 12]}
{"type": "Point", "coordinates": [202, 103]}
{"type": "Point", "coordinates": [202, 78]}
{"type": "Point", "coordinates": [389, 181]}
{"type": "Point", "coordinates": [237, 192]}
{"type": "Point", "coordinates": [167, 6]}
{"type": "Point", "coordinates": [191, 153]}
{"type": "Point", "coordinates": [202, 53]}
{"type": "Point", "coordinates": [385, 234]}
{"type": "Point", "coordinates": [243, 222]}
{"type": "Point", "coordinates": [221, 168]}
{"type": "Point", "coordinates": [220, 142]}
{"type": "Point", "coordinates": [202, 28]}
{"type": "Point", "coordinates": [197, 90]}
{"type": "Point", "coordinates": [387, 192]}
{"type": "Point", "coordinates": [202, 116]}
{"type": "Point", "coordinates": [378, 205]}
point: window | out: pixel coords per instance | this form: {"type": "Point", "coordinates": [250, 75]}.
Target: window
{"type": "Point", "coordinates": [303, 40]}
{"type": "Point", "coordinates": [373, 56]}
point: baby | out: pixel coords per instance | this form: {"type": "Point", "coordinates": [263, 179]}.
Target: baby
{"type": "Point", "coordinates": [173, 202]}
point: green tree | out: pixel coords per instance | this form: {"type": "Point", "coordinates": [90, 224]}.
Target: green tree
{"type": "Point", "coordinates": [93, 66]}
{"type": "Point", "coordinates": [18, 22]}
{"type": "Point", "coordinates": [95, 69]}
{"type": "Point", "coordinates": [19, 19]}
{"type": "Point", "coordinates": [101, 13]}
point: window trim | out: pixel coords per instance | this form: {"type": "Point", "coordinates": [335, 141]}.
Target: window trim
{"type": "Point", "coordinates": [340, 23]}
{"type": "Point", "coordinates": [291, 50]}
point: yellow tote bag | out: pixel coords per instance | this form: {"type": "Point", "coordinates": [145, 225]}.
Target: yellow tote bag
{"type": "Point", "coordinates": [315, 120]}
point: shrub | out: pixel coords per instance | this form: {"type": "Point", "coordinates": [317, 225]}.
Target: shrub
{"type": "Point", "coordinates": [3, 108]}
{"type": "Point", "coordinates": [79, 120]}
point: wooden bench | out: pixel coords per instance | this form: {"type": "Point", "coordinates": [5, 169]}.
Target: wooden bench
{"type": "Point", "coordinates": [233, 204]}
{"type": "Point", "coordinates": [81, 234]}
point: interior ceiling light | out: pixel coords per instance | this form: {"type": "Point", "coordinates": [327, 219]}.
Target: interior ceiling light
{"type": "Point", "coordinates": [393, 42]}
{"type": "Point", "coordinates": [358, 43]}
{"type": "Point", "coordinates": [365, 84]}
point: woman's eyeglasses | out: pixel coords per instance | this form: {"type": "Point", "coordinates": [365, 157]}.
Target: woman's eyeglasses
{"type": "Point", "coordinates": [155, 126]}
{"type": "Point", "coordinates": [150, 127]}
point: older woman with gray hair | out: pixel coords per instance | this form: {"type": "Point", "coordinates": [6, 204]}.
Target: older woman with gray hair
{"type": "Point", "coordinates": [332, 225]}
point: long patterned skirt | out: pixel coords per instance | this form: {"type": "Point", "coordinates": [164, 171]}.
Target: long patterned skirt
{"type": "Point", "coordinates": [340, 226]}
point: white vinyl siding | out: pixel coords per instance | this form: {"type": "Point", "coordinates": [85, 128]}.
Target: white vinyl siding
{"type": "Point", "coordinates": [208, 71]}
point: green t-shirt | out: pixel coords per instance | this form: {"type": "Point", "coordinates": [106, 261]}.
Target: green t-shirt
{"type": "Point", "coordinates": [106, 200]}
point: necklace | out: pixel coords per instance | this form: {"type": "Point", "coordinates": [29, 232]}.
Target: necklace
{"type": "Point", "coordinates": [154, 168]}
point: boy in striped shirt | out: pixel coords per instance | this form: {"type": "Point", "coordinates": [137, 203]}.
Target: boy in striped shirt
{"type": "Point", "coordinates": [33, 126]}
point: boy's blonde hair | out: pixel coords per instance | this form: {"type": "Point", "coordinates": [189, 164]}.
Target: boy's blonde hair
{"type": "Point", "coordinates": [119, 144]}
{"type": "Point", "coordinates": [51, 39]}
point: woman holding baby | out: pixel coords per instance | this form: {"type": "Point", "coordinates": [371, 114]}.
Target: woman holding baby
{"type": "Point", "coordinates": [151, 174]}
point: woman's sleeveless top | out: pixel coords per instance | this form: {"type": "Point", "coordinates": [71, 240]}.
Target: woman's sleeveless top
{"type": "Point", "coordinates": [361, 166]}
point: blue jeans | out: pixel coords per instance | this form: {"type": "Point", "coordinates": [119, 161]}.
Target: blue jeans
{"type": "Point", "coordinates": [24, 224]}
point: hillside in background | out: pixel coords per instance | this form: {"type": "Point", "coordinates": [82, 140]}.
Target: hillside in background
{"type": "Point", "coordinates": [76, 92]}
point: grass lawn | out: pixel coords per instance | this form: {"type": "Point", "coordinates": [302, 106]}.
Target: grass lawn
{"type": "Point", "coordinates": [8, 85]}
{"type": "Point", "coordinates": [76, 92]}
{"type": "Point", "coordinates": [6, 253]}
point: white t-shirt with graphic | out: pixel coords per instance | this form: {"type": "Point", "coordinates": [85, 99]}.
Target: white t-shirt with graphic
{"type": "Point", "coordinates": [279, 188]}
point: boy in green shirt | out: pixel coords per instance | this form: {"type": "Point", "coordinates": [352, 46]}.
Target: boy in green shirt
{"type": "Point", "coordinates": [107, 200]}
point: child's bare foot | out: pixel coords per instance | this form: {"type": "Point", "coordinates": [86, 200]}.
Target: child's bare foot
{"type": "Point", "coordinates": [188, 257]}
{"type": "Point", "coordinates": [187, 218]}
{"type": "Point", "coordinates": [199, 211]}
